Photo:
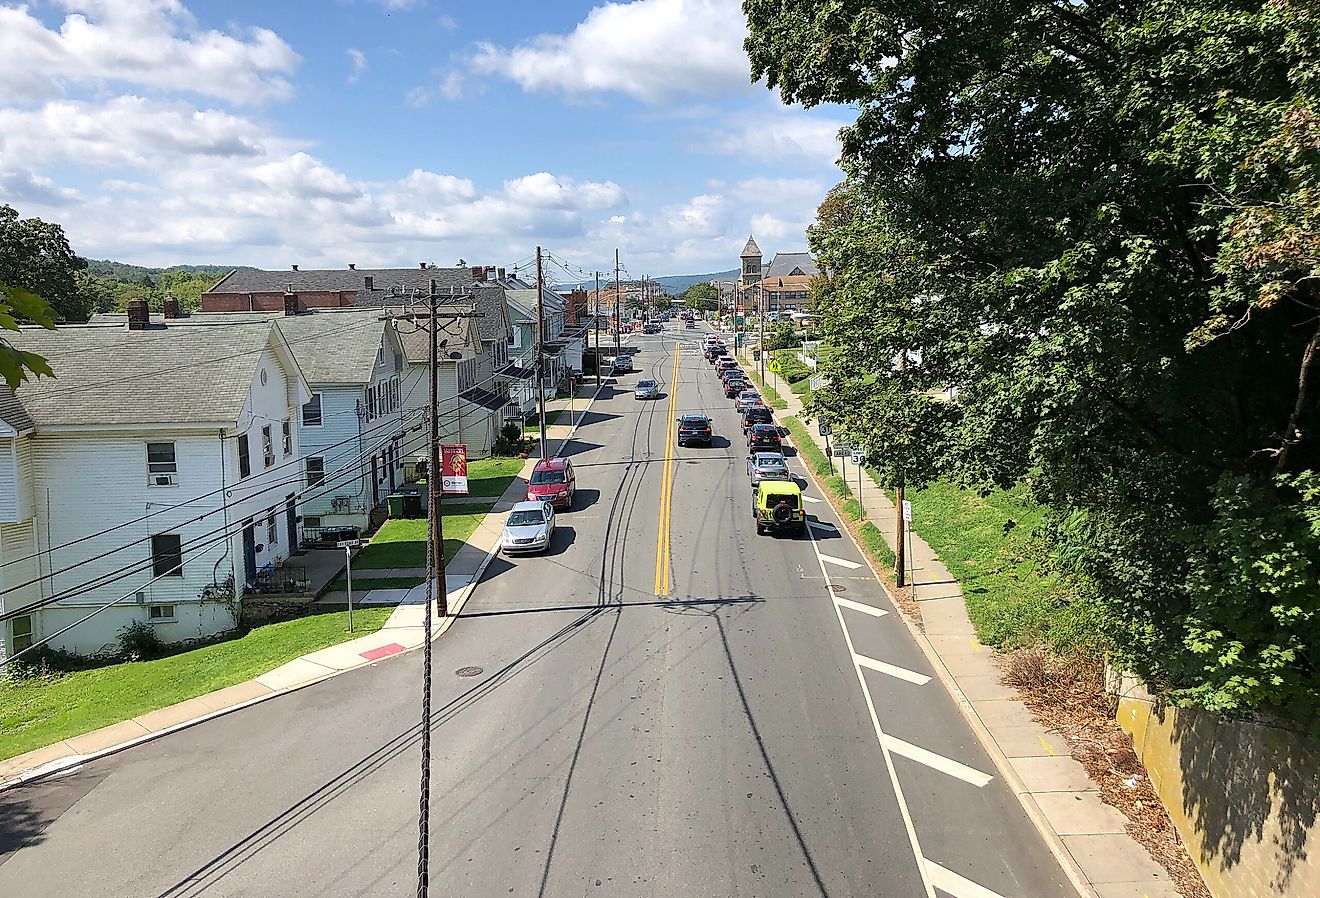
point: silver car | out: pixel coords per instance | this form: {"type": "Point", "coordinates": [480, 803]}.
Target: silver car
{"type": "Point", "coordinates": [767, 466]}
{"type": "Point", "coordinates": [747, 399]}
{"type": "Point", "coordinates": [529, 528]}
{"type": "Point", "coordinates": [646, 389]}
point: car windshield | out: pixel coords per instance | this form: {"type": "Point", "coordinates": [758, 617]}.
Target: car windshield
{"type": "Point", "coordinates": [527, 518]}
{"type": "Point", "coordinates": [543, 477]}
{"type": "Point", "coordinates": [642, 384]}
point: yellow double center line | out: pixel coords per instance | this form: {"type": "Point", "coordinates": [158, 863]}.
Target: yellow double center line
{"type": "Point", "coordinates": [667, 487]}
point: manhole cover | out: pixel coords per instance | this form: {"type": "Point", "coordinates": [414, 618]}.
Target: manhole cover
{"type": "Point", "coordinates": [468, 671]}
{"type": "Point", "coordinates": [837, 587]}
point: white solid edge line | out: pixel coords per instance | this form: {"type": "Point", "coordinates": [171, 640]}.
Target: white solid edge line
{"type": "Point", "coordinates": [959, 886]}
{"type": "Point", "coordinates": [841, 562]}
{"type": "Point", "coordinates": [893, 670]}
{"type": "Point", "coordinates": [938, 762]}
{"type": "Point", "coordinates": [880, 737]}
{"type": "Point", "coordinates": [858, 606]}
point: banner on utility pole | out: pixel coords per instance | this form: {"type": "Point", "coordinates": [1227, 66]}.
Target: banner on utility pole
{"type": "Point", "coordinates": [453, 467]}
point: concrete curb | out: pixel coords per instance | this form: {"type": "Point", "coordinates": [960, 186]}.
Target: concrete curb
{"type": "Point", "coordinates": [71, 762]}
{"type": "Point", "coordinates": [1010, 776]}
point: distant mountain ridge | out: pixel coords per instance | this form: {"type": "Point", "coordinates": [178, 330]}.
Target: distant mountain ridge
{"type": "Point", "coordinates": [677, 283]}
{"type": "Point", "coordinates": [122, 271]}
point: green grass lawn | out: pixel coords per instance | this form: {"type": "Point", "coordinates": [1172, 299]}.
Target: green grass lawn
{"type": "Point", "coordinates": [768, 393]}
{"type": "Point", "coordinates": [492, 476]}
{"type": "Point", "coordinates": [1012, 599]}
{"type": "Point", "coordinates": [402, 542]}
{"type": "Point", "coordinates": [36, 713]}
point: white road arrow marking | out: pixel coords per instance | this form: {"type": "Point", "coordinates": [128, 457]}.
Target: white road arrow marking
{"type": "Point", "coordinates": [858, 606]}
{"type": "Point", "coordinates": [821, 525]}
{"type": "Point", "coordinates": [937, 762]}
{"type": "Point", "coordinates": [841, 562]}
{"type": "Point", "coordinates": [901, 673]}
{"type": "Point", "coordinates": [947, 881]}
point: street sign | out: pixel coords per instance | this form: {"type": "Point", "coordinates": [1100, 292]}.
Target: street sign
{"type": "Point", "coordinates": [858, 455]}
{"type": "Point", "coordinates": [825, 429]}
{"type": "Point", "coordinates": [907, 512]}
{"type": "Point", "coordinates": [348, 544]}
{"type": "Point", "coordinates": [841, 452]}
{"type": "Point", "coordinates": [774, 366]}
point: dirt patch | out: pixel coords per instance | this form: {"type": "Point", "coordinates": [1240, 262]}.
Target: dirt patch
{"type": "Point", "coordinates": [1068, 696]}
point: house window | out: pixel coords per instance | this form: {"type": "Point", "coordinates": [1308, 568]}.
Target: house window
{"type": "Point", "coordinates": [20, 634]}
{"type": "Point", "coordinates": [517, 338]}
{"type": "Point", "coordinates": [244, 456]}
{"type": "Point", "coordinates": [272, 531]}
{"type": "Point", "coordinates": [311, 522]}
{"type": "Point", "coordinates": [311, 411]}
{"type": "Point", "coordinates": [161, 464]}
{"type": "Point", "coordinates": [160, 613]}
{"type": "Point", "coordinates": [288, 438]}
{"type": "Point", "coordinates": [167, 555]}
{"type": "Point", "coordinates": [267, 446]}
{"type": "Point", "coordinates": [315, 470]}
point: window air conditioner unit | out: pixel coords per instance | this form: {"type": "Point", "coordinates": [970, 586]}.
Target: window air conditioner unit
{"type": "Point", "coordinates": [164, 479]}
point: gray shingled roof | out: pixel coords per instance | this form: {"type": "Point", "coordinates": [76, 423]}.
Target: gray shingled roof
{"type": "Point", "coordinates": [417, 344]}
{"type": "Point", "coordinates": [326, 279]}
{"type": "Point", "coordinates": [784, 263]}
{"type": "Point", "coordinates": [12, 411]}
{"type": "Point", "coordinates": [164, 375]}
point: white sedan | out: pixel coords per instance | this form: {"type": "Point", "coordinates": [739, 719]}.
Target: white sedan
{"type": "Point", "coordinates": [530, 528]}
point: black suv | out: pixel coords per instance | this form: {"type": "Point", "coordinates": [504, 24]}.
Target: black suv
{"type": "Point", "coordinates": [757, 414]}
{"type": "Point", "coordinates": [694, 429]}
{"type": "Point", "coordinates": [764, 437]}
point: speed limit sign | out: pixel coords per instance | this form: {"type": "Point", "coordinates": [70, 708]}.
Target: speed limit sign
{"type": "Point", "coordinates": [858, 456]}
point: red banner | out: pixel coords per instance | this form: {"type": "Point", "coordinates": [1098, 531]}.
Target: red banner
{"type": "Point", "coordinates": [453, 468]}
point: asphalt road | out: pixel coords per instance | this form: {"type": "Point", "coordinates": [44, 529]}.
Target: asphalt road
{"type": "Point", "coordinates": [719, 740]}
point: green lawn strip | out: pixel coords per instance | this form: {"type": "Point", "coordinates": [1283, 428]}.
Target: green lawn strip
{"type": "Point", "coordinates": [402, 542]}
{"type": "Point", "coordinates": [36, 713]}
{"type": "Point", "coordinates": [362, 584]}
{"type": "Point", "coordinates": [875, 543]}
{"type": "Point", "coordinates": [492, 476]}
{"type": "Point", "coordinates": [1012, 600]}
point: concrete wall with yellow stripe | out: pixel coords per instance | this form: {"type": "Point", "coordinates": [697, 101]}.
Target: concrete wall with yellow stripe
{"type": "Point", "coordinates": [1244, 796]}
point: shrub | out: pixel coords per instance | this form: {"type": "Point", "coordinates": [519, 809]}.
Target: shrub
{"type": "Point", "coordinates": [510, 440]}
{"type": "Point", "coordinates": [139, 642]}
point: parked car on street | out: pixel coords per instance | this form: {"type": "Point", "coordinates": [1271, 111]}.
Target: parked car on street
{"type": "Point", "coordinates": [764, 437]}
{"type": "Point", "coordinates": [777, 505]}
{"type": "Point", "coordinates": [553, 481]}
{"type": "Point", "coordinates": [767, 466]}
{"type": "Point", "coordinates": [694, 429]}
{"type": "Point", "coordinates": [530, 528]}
{"type": "Point", "coordinates": [646, 389]}
{"type": "Point", "coordinates": [757, 414]}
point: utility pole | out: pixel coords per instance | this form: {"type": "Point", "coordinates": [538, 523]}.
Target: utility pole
{"type": "Point", "coordinates": [760, 308]}
{"type": "Point", "coordinates": [618, 322]}
{"type": "Point", "coordinates": [540, 353]}
{"type": "Point", "coordinates": [437, 553]}
{"type": "Point", "coordinates": [899, 524]}
{"type": "Point", "coordinates": [597, 332]}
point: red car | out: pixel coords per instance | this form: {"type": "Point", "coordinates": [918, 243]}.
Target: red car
{"type": "Point", "coordinates": [552, 481]}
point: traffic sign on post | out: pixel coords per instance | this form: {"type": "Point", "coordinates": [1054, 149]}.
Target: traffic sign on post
{"type": "Point", "coordinates": [348, 544]}
{"type": "Point", "coordinates": [858, 455]}
{"type": "Point", "coordinates": [825, 428]}
{"type": "Point", "coordinates": [907, 512]}
{"type": "Point", "coordinates": [842, 452]}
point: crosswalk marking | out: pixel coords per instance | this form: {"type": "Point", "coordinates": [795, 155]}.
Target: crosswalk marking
{"type": "Point", "coordinates": [841, 562]}
{"type": "Point", "coordinates": [858, 606]}
{"type": "Point", "coordinates": [900, 673]}
{"type": "Point", "coordinates": [937, 762]}
{"type": "Point", "coordinates": [959, 887]}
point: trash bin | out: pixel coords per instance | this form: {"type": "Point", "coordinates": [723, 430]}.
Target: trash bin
{"type": "Point", "coordinates": [412, 505]}
{"type": "Point", "coordinates": [394, 502]}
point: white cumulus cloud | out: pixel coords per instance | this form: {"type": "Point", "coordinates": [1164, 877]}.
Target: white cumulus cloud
{"type": "Point", "coordinates": [647, 49]}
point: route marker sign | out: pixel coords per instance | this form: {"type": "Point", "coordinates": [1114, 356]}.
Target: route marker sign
{"type": "Point", "coordinates": [825, 428]}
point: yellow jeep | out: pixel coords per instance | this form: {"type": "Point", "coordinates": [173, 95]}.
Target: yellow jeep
{"type": "Point", "coordinates": [777, 505]}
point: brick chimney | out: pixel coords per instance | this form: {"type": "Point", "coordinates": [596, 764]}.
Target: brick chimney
{"type": "Point", "coordinates": [290, 303]}
{"type": "Point", "coordinates": [421, 265]}
{"type": "Point", "coordinates": [172, 308]}
{"type": "Point", "coordinates": [294, 267]}
{"type": "Point", "coordinates": [370, 282]}
{"type": "Point", "coordinates": [138, 315]}
{"type": "Point", "coordinates": [352, 266]}
{"type": "Point", "coordinates": [501, 273]}
{"type": "Point", "coordinates": [478, 273]}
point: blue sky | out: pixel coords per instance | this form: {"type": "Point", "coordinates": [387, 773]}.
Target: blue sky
{"type": "Point", "coordinates": [386, 132]}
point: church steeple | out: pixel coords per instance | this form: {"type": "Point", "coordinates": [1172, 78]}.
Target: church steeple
{"type": "Point", "coordinates": [751, 263]}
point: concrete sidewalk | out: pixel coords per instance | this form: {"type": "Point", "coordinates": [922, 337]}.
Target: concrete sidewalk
{"type": "Point", "coordinates": [403, 632]}
{"type": "Point", "coordinates": [1088, 836]}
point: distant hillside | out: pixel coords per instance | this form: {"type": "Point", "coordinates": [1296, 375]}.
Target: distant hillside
{"type": "Point", "coordinates": [677, 283]}
{"type": "Point", "coordinates": [122, 271]}
{"type": "Point", "coordinates": [109, 285]}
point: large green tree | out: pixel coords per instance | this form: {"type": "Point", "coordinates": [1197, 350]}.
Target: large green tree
{"type": "Point", "coordinates": [1098, 223]}
{"type": "Point", "coordinates": [35, 256]}
{"type": "Point", "coordinates": [702, 297]}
